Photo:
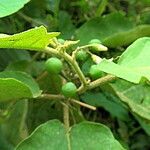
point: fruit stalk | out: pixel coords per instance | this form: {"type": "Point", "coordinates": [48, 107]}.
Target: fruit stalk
{"type": "Point", "coordinates": [76, 68]}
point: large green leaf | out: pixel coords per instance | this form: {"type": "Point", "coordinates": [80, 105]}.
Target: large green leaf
{"type": "Point", "coordinates": [113, 30]}
{"type": "Point", "coordinates": [33, 39]}
{"type": "Point", "coordinates": [93, 136]}
{"type": "Point", "coordinates": [137, 98]}
{"type": "Point", "coordinates": [127, 37]}
{"type": "Point", "coordinates": [133, 64]}
{"type": "Point", "coordinates": [7, 7]}
{"type": "Point", "coordinates": [48, 136]}
{"type": "Point", "coordinates": [86, 135]}
{"type": "Point", "coordinates": [17, 85]}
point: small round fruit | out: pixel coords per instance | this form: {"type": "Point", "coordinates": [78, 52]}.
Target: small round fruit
{"type": "Point", "coordinates": [94, 72]}
{"type": "Point", "coordinates": [81, 55]}
{"type": "Point", "coordinates": [61, 41]}
{"type": "Point", "coordinates": [69, 89]}
{"type": "Point", "coordinates": [53, 65]}
{"type": "Point", "coordinates": [95, 41]}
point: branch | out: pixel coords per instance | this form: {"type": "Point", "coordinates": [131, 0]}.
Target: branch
{"type": "Point", "coordinates": [96, 83]}
{"type": "Point", "coordinates": [58, 97]}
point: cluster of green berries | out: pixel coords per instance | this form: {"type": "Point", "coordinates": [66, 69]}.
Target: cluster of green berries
{"type": "Point", "coordinates": [54, 66]}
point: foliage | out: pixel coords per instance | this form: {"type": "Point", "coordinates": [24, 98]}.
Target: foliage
{"type": "Point", "coordinates": [74, 75]}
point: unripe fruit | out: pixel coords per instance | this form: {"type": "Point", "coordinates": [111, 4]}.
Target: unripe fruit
{"type": "Point", "coordinates": [69, 89]}
{"type": "Point", "coordinates": [81, 55]}
{"type": "Point", "coordinates": [96, 46]}
{"type": "Point", "coordinates": [53, 65]}
{"type": "Point", "coordinates": [95, 41]}
{"type": "Point", "coordinates": [95, 73]}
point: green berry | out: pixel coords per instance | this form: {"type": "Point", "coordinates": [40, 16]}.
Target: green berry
{"type": "Point", "coordinates": [94, 72]}
{"type": "Point", "coordinates": [61, 41]}
{"type": "Point", "coordinates": [81, 55]}
{"type": "Point", "coordinates": [53, 65]}
{"type": "Point", "coordinates": [69, 89]}
{"type": "Point", "coordinates": [95, 41]}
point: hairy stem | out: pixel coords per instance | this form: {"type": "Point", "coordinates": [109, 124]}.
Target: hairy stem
{"type": "Point", "coordinates": [66, 115]}
{"type": "Point", "coordinates": [100, 81]}
{"type": "Point", "coordinates": [66, 121]}
{"type": "Point", "coordinates": [96, 83]}
{"type": "Point", "coordinates": [61, 97]}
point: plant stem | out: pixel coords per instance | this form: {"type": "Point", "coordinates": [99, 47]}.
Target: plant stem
{"type": "Point", "coordinates": [66, 115]}
{"type": "Point", "coordinates": [41, 76]}
{"type": "Point", "coordinates": [66, 121]}
{"type": "Point", "coordinates": [100, 81]}
{"type": "Point", "coordinates": [83, 104]}
{"type": "Point", "coordinates": [52, 97]}
{"type": "Point", "coordinates": [101, 8]}
{"type": "Point", "coordinates": [30, 20]}
{"type": "Point", "coordinates": [96, 83]}
{"type": "Point", "coordinates": [76, 67]}
{"type": "Point", "coordinates": [50, 50]}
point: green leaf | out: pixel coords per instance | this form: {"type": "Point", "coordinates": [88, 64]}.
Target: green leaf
{"type": "Point", "coordinates": [113, 30]}
{"type": "Point", "coordinates": [7, 8]}
{"type": "Point", "coordinates": [48, 136]}
{"type": "Point", "coordinates": [34, 39]}
{"type": "Point", "coordinates": [86, 135]}
{"type": "Point", "coordinates": [17, 85]}
{"type": "Point", "coordinates": [108, 102]}
{"type": "Point", "coordinates": [127, 37]}
{"type": "Point", "coordinates": [144, 124]}
{"type": "Point", "coordinates": [103, 27]}
{"type": "Point", "coordinates": [34, 68]}
{"type": "Point", "coordinates": [138, 102]}
{"type": "Point", "coordinates": [133, 64]}
{"type": "Point", "coordinates": [93, 136]}
{"type": "Point", "coordinates": [22, 66]}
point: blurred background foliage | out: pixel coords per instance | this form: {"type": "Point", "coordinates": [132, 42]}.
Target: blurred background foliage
{"type": "Point", "coordinates": [117, 23]}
